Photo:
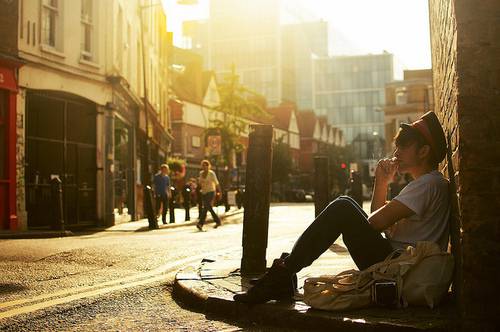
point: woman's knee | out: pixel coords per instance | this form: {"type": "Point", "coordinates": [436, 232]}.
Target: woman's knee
{"type": "Point", "coordinates": [341, 202]}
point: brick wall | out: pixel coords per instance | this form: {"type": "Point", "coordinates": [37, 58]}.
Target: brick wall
{"type": "Point", "coordinates": [466, 73]}
{"type": "Point", "coordinates": [22, 219]}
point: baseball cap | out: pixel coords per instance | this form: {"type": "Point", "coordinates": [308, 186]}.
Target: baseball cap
{"type": "Point", "coordinates": [430, 128]}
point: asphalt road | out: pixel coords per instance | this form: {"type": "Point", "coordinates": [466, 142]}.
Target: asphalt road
{"type": "Point", "coordinates": [120, 281]}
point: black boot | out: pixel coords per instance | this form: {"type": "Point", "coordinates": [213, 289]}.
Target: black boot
{"type": "Point", "coordinates": [255, 281]}
{"type": "Point", "coordinates": [276, 284]}
{"type": "Point", "coordinates": [284, 255]}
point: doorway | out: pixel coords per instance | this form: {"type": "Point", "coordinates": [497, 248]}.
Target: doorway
{"type": "Point", "coordinates": [60, 142]}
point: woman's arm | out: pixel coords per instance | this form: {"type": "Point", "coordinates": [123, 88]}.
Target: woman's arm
{"type": "Point", "coordinates": [388, 214]}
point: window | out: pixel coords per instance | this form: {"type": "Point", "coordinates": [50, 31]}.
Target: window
{"type": "Point", "coordinates": [195, 141]}
{"type": "Point", "coordinates": [87, 29]}
{"type": "Point", "coordinates": [50, 22]}
{"type": "Point", "coordinates": [401, 96]}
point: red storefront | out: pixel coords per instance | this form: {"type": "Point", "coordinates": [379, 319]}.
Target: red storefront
{"type": "Point", "coordinates": [8, 92]}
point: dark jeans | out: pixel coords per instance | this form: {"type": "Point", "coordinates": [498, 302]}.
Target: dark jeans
{"type": "Point", "coordinates": [207, 206]}
{"type": "Point", "coordinates": [162, 200]}
{"type": "Point", "coordinates": [342, 216]}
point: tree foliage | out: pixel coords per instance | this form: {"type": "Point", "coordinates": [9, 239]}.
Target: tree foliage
{"type": "Point", "coordinates": [238, 103]}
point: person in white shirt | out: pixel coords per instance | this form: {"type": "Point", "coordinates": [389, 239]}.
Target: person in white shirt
{"type": "Point", "coordinates": [209, 187]}
{"type": "Point", "coordinates": [420, 212]}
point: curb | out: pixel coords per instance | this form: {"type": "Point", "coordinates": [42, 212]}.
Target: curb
{"type": "Point", "coordinates": [85, 231]}
{"type": "Point", "coordinates": [35, 235]}
{"type": "Point", "coordinates": [193, 223]}
{"type": "Point", "coordinates": [291, 315]}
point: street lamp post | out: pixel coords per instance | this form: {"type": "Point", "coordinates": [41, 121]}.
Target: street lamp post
{"type": "Point", "coordinates": [145, 90]}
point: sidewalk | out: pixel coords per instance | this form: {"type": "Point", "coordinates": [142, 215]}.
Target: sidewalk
{"type": "Point", "coordinates": [210, 287]}
{"type": "Point", "coordinates": [129, 226]}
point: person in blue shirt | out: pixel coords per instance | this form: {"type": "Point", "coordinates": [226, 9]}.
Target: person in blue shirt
{"type": "Point", "coordinates": [162, 191]}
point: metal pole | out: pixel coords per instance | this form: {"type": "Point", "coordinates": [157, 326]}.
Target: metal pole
{"type": "Point", "coordinates": [149, 207]}
{"type": "Point", "coordinates": [321, 181]}
{"type": "Point", "coordinates": [57, 204]}
{"type": "Point", "coordinates": [171, 204]}
{"type": "Point", "coordinates": [258, 193]}
{"type": "Point", "coordinates": [146, 102]}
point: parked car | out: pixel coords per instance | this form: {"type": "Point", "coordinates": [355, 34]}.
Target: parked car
{"type": "Point", "coordinates": [295, 195]}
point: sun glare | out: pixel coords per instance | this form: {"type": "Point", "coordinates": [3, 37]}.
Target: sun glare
{"type": "Point", "coordinates": [355, 26]}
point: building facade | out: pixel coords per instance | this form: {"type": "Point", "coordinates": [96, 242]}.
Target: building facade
{"type": "Point", "coordinates": [286, 129]}
{"type": "Point", "coordinates": [349, 90]}
{"type": "Point", "coordinates": [406, 101]}
{"type": "Point", "coordinates": [235, 38]}
{"type": "Point", "coordinates": [301, 44]}
{"type": "Point", "coordinates": [86, 101]}
{"type": "Point", "coordinates": [192, 111]}
{"type": "Point", "coordinates": [9, 119]}
{"type": "Point", "coordinates": [310, 137]}
{"type": "Point", "coordinates": [466, 72]}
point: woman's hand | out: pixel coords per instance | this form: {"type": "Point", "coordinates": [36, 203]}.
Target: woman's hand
{"type": "Point", "coordinates": [386, 169]}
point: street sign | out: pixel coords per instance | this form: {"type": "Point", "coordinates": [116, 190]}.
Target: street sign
{"type": "Point", "coordinates": [214, 145]}
{"type": "Point", "coordinates": [372, 165]}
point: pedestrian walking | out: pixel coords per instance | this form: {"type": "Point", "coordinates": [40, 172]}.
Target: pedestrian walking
{"type": "Point", "coordinates": [209, 186]}
{"type": "Point", "coordinates": [420, 212]}
{"type": "Point", "coordinates": [199, 200]}
{"type": "Point", "coordinates": [162, 191]}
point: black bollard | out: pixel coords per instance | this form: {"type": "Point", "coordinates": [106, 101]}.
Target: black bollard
{"type": "Point", "coordinates": [171, 204]}
{"type": "Point", "coordinates": [57, 204]}
{"type": "Point", "coordinates": [356, 188]}
{"type": "Point", "coordinates": [258, 193]}
{"type": "Point", "coordinates": [148, 208]}
{"type": "Point", "coordinates": [321, 180]}
{"type": "Point", "coordinates": [186, 197]}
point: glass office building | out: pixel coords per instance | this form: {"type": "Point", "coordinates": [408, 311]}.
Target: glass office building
{"type": "Point", "coordinates": [301, 43]}
{"type": "Point", "coordinates": [350, 91]}
{"type": "Point", "coordinates": [246, 34]}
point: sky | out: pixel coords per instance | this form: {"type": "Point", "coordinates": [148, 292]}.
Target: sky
{"type": "Point", "coordinates": [400, 27]}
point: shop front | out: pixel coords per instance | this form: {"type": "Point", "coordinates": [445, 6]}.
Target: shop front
{"type": "Point", "coordinates": [8, 92]}
{"type": "Point", "coordinates": [60, 143]}
{"type": "Point", "coordinates": [123, 164]}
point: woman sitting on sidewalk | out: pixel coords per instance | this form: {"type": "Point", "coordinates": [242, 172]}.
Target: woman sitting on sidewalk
{"type": "Point", "coordinates": [419, 213]}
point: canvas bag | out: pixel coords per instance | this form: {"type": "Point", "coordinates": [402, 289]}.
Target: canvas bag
{"type": "Point", "coordinates": [422, 276]}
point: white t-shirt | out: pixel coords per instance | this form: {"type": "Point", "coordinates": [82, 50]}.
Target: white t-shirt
{"type": "Point", "coordinates": [427, 196]}
{"type": "Point", "coordinates": [209, 183]}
